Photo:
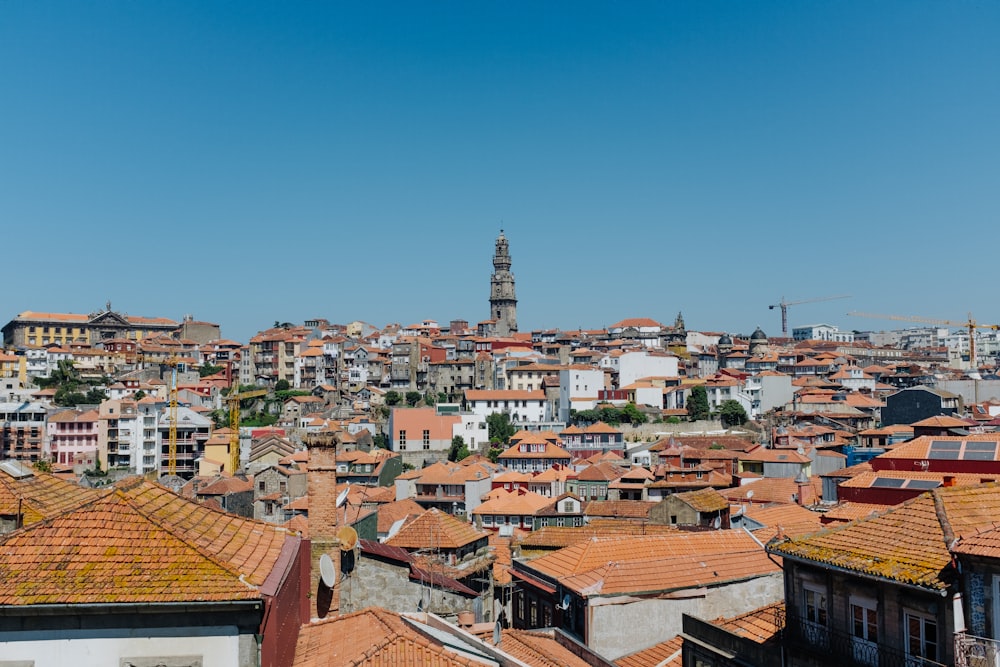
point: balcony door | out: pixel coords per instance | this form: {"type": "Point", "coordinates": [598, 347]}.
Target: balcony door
{"type": "Point", "coordinates": [864, 630]}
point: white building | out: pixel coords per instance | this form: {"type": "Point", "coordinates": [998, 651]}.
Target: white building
{"type": "Point", "coordinates": [522, 406]}
{"type": "Point", "coordinates": [578, 386]}
{"type": "Point", "coordinates": [635, 365]}
{"type": "Point", "coordinates": [822, 332]}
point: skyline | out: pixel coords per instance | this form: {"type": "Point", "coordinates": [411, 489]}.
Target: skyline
{"type": "Point", "coordinates": [251, 163]}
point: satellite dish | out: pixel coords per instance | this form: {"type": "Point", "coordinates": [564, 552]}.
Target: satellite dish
{"type": "Point", "coordinates": [348, 538]}
{"type": "Point", "coordinates": [749, 494]}
{"type": "Point", "coordinates": [327, 572]}
{"type": "Point", "coordinates": [342, 498]}
{"type": "Point", "coordinates": [394, 528]}
{"type": "Point", "coordinates": [496, 633]}
{"type": "Point", "coordinates": [565, 603]}
{"type": "Point", "coordinates": [717, 523]}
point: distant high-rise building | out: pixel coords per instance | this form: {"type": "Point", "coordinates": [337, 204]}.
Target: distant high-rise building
{"type": "Point", "coordinates": [503, 302]}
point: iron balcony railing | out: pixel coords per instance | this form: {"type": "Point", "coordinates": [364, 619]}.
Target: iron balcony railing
{"type": "Point", "coordinates": [835, 647]}
{"type": "Point", "coordinates": [973, 651]}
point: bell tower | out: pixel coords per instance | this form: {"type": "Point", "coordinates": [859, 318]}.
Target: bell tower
{"type": "Point", "coordinates": [503, 302]}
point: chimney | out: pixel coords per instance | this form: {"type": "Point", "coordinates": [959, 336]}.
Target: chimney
{"type": "Point", "coordinates": [949, 480]}
{"type": "Point", "coordinates": [322, 484]}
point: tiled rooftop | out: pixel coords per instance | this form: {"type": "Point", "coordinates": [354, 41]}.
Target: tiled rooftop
{"type": "Point", "coordinates": [371, 637]}
{"type": "Point", "coordinates": [435, 529]}
{"type": "Point", "coordinates": [908, 542]}
{"type": "Point", "coordinates": [138, 543]}
{"type": "Point", "coordinates": [41, 496]}
{"type": "Point", "coordinates": [664, 654]}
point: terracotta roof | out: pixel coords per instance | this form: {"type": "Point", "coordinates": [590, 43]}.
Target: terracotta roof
{"type": "Point", "coordinates": [523, 503]}
{"type": "Point", "coordinates": [390, 513]}
{"type": "Point", "coordinates": [504, 395]}
{"type": "Point", "coordinates": [41, 495]}
{"type": "Point", "coordinates": [614, 566]}
{"type": "Point", "coordinates": [539, 648]}
{"type": "Point", "coordinates": [664, 654]}
{"type": "Point", "coordinates": [632, 509]}
{"type": "Point", "coordinates": [849, 511]}
{"type": "Point", "coordinates": [138, 543]}
{"type": "Point", "coordinates": [942, 421]}
{"type": "Point", "coordinates": [435, 529]}
{"type": "Point", "coordinates": [760, 625]}
{"type": "Point", "coordinates": [704, 500]}
{"type": "Point", "coordinates": [554, 537]}
{"type": "Point", "coordinates": [371, 637]}
{"type": "Point", "coordinates": [922, 448]}
{"type": "Point", "coordinates": [907, 543]}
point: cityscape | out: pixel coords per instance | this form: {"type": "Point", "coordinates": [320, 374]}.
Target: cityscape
{"type": "Point", "coordinates": [331, 493]}
{"type": "Point", "coordinates": [499, 334]}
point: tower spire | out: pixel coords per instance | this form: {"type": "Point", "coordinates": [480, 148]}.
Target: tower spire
{"type": "Point", "coordinates": [503, 301]}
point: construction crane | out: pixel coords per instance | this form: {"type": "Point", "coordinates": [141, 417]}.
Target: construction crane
{"type": "Point", "coordinates": [172, 362]}
{"type": "Point", "coordinates": [234, 398]}
{"type": "Point", "coordinates": [969, 324]}
{"type": "Point", "coordinates": [785, 304]}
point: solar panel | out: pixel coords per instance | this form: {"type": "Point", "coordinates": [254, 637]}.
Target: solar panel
{"type": "Point", "coordinates": [953, 456]}
{"type": "Point", "coordinates": [888, 483]}
{"type": "Point", "coordinates": [923, 484]}
{"type": "Point", "coordinates": [980, 446]}
{"type": "Point", "coordinates": [979, 456]}
{"type": "Point", "coordinates": [946, 445]}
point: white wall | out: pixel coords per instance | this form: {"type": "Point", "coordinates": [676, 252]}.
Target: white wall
{"type": "Point", "coordinates": [218, 650]}
{"type": "Point", "coordinates": [633, 366]}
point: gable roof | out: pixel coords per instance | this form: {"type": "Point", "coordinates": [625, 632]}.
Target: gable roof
{"type": "Point", "coordinates": [907, 544]}
{"type": "Point", "coordinates": [435, 529]}
{"type": "Point", "coordinates": [371, 637]}
{"type": "Point", "coordinates": [37, 495]}
{"type": "Point", "coordinates": [138, 543]}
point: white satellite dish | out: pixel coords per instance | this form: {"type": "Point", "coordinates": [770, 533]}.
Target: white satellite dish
{"type": "Point", "coordinates": [394, 528]}
{"type": "Point", "coordinates": [565, 603]}
{"type": "Point", "coordinates": [327, 572]}
{"type": "Point", "coordinates": [717, 523]}
{"type": "Point", "coordinates": [497, 636]}
{"type": "Point", "coordinates": [749, 494]}
{"type": "Point", "coordinates": [342, 498]}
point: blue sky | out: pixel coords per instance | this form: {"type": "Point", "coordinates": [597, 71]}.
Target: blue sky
{"type": "Point", "coordinates": [249, 162]}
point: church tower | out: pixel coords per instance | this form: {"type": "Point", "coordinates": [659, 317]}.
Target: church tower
{"type": "Point", "coordinates": [503, 302]}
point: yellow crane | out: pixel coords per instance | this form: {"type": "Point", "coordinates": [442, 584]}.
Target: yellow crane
{"type": "Point", "coordinates": [783, 305]}
{"type": "Point", "coordinates": [234, 398]}
{"type": "Point", "coordinates": [969, 324]}
{"type": "Point", "coordinates": [172, 362]}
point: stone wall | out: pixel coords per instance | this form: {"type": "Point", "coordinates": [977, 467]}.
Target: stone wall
{"type": "Point", "coordinates": [387, 585]}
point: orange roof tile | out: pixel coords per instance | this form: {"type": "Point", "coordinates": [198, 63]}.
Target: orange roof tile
{"type": "Point", "coordinates": [614, 566]}
{"type": "Point", "coordinates": [371, 637]}
{"type": "Point", "coordinates": [39, 495]}
{"type": "Point", "coordinates": [435, 529]}
{"type": "Point", "coordinates": [908, 543]}
{"type": "Point", "coordinates": [138, 543]}
{"type": "Point", "coordinates": [664, 654]}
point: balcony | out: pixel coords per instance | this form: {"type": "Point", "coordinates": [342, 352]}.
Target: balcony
{"type": "Point", "coordinates": [972, 651]}
{"type": "Point", "coordinates": [835, 647]}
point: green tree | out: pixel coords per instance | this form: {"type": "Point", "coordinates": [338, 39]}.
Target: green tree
{"type": "Point", "coordinates": [459, 450]}
{"type": "Point", "coordinates": [139, 395]}
{"type": "Point", "coordinates": [499, 427]}
{"type": "Point", "coordinates": [95, 396]}
{"type": "Point", "coordinates": [380, 440]}
{"type": "Point", "coordinates": [209, 369]}
{"type": "Point", "coordinates": [42, 465]}
{"type": "Point", "coordinates": [493, 454]}
{"type": "Point", "coordinates": [392, 397]}
{"type": "Point", "coordinates": [430, 399]}
{"type": "Point", "coordinates": [282, 385]}
{"type": "Point", "coordinates": [412, 398]}
{"type": "Point", "coordinates": [633, 414]}
{"type": "Point", "coordinates": [732, 413]}
{"type": "Point", "coordinates": [697, 404]}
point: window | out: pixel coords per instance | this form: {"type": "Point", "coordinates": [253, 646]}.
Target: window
{"type": "Point", "coordinates": [921, 637]}
{"type": "Point", "coordinates": [402, 439]}
{"type": "Point", "coordinates": [864, 630]}
{"type": "Point", "coordinates": [427, 437]}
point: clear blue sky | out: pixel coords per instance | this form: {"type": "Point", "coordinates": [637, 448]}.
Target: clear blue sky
{"type": "Point", "coordinates": [248, 162]}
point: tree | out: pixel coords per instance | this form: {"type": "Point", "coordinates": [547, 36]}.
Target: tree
{"type": "Point", "coordinates": [633, 414]}
{"type": "Point", "coordinates": [139, 395]}
{"type": "Point", "coordinates": [499, 427]}
{"type": "Point", "coordinates": [697, 404]}
{"type": "Point", "coordinates": [732, 413]}
{"type": "Point", "coordinates": [42, 465]}
{"type": "Point", "coordinates": [458, 450]}
{"type": "Point", "coordinates": [412, 398]}
{"type": "Point", "coordinates": [209, 369]}
{"type": "Point", "coordinates": [392, 397]}
{"type": "Point", "coordinates": [429, 399]}
{"type": "Point", "coordinates": [381, 440]}
{"type": "Point", "coordinates": [282, 385]}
